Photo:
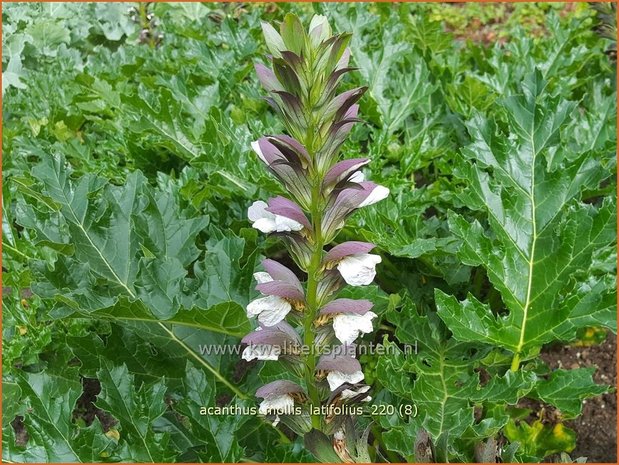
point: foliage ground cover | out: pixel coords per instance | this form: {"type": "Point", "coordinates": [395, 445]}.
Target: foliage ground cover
{"type": "Point", "coordinates": [127, 250]}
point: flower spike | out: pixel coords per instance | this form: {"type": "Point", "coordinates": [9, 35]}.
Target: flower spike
{"type": "Point", "coordinates": [322, 191]}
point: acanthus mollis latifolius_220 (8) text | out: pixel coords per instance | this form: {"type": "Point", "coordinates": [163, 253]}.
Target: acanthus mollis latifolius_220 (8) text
{"type": "Point", "coordinates": [305, 325]}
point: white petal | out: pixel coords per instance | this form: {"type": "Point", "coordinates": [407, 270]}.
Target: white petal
{"type": "Point", "coordinates": [258, 211]}
{"type": "Point", "coordinates": [270, 310]}
{"type": "Point", "coordinates": [283, 405]}
{"type": "Point", "coordinates": [337, 378]}
{"type": "Point", "coordinates": [379, 193]}
{"type": "Point", "coordinates": [256, 147]}
{"type": "Point", "coordinates": [349, 393]}
{"type": "Point", "coordinates": [358, 176]}
{"type": "Point", "coordinates": [267, 222]}
{"type": "Point", "coordinates": [265, 225]}
{"type": "Point", "coordinates": [260, 352]}
{"type": "Point", "coordinates": [286, 224]}
{"type": "Point", "coordinates": [262, 277]}
{"type": "Point", "coordinates": [347, 326]}
{"type": "Point", "coordinates": [359, 269]}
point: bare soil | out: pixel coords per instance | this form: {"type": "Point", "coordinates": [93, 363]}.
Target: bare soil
{"type": "Point", "coordinates": [596, 429]}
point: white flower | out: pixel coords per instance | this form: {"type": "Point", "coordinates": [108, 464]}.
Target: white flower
{"type": "Point", "coordinates": [349, 393]}
{"type": "Point", "coordinates": [260, 352]}
{"type": "Point", "coordinates": [280, 405]}
{"type": "Point", "coordinates": [358, 176]}
{"type": "Point", "coordinates": [379, 193]}
{"type": "Point", "coordinates": [337, 378]}
{"type": "Point", "coordinates": [283, 404]}
{"type": "Point", "coordinates": [270, 310]}
{"type": "Point", "coordinates": [347, 326]}
{"type": "Point", "coordinates": [268, 222]}
{"type": "Point", "coordinates": [262, 277]}
{"type": "Point", "coordinates": [359, 269]}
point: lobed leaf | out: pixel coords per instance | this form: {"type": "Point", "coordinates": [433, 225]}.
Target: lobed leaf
{"type": "Point", "coordinates": [541, 237]}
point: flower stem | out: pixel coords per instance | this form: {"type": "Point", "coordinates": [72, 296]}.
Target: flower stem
{"type": "Point", "coordinates": [313, 273]}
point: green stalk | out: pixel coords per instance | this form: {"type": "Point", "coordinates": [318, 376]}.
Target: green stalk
{"type": "Point", "coordinates": [313, 271]}
{"type": "Point", "coordinates": [515, 362]}
{"type": "Point", "coordinates": [312, 308]}
{"type": "Point", "coordinates": [313, 277]}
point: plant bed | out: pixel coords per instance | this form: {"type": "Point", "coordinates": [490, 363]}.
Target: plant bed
{"type": "Point", "coordinates": [336, 232]}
